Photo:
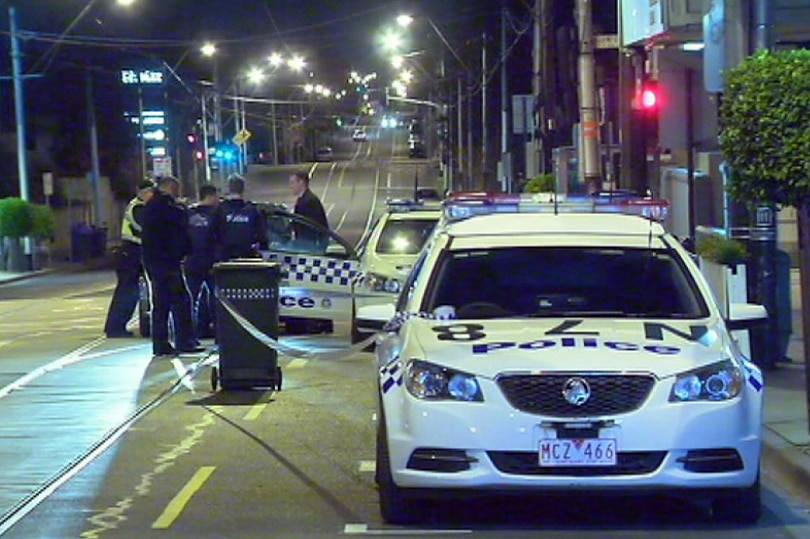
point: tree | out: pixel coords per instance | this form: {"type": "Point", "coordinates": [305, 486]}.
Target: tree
{"type": "Point", "coordinates": [765, 128]}
{"type": "Point", "coordinates": [15, 223]}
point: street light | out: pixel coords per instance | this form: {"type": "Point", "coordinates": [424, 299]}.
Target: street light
{"type": "Point", "coordinates": [297, 63]}
{"type": "Point", "coordinates": [276, 60]}
{"type": "Point", "coordinates": [208, 49]}
{"type": "Point", "coordinates": [404, 20]}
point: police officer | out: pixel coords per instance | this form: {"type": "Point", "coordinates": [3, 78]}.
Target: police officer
{"type": "Point", "coordinates": [239, 228]}
{"type": "Point", "coordinates": [128, 267]}
{"type": "Point", "coordinates": [165, 242]}
{"type": "Point", "coordinates": [199, 262]}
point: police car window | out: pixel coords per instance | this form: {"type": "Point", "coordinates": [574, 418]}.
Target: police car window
{"type": "Point", "coordinates": [564, 281]}
{"type": "Point", "coordinates": [407, 290]}
{"type": "Point", "coordinates": [401, 237]}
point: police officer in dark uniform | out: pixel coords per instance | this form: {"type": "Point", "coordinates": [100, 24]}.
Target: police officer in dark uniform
{"type": "Point", "coordinates": [128, 267]}
{"type": "Point", "coordinates": [239, 228]}
{"type": "Point", "coordinates": [165, 242]}
{"type": "Point", "coordinates": [198, 263]}
{"type": "Point", "coordinates": [308, 205]}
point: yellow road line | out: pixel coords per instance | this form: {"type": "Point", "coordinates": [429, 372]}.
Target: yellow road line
{"type": "Point", "coordinates": [179, 502]}
{"type": "Point", "coordinates": [257, 409]}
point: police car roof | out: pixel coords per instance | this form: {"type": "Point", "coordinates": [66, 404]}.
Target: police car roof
{"type": "Point", "coordinates": [581, 224]}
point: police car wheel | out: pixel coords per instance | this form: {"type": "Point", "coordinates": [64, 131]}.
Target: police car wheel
{"type": "Point", "coordinates": [395, 507]}
{"type": "Point", "coordinates": [741, 507]}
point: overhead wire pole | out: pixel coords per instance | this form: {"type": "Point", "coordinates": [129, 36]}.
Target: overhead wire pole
{"type": "Point", "coordinates": [506, 157]}
{"type": "Point", "coordinates": [588, 131]}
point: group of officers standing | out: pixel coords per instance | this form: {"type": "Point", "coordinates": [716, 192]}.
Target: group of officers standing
{"type": "Point", "coordinates": [177, 246]}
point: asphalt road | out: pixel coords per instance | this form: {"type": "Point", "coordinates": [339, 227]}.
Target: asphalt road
{"type": "Point", "coordinates": [183, 461]}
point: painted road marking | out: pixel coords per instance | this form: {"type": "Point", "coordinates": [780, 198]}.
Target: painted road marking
{"type": "Point", "coordinates": [257, 409]}
{"type": "Point", "coordinates": [363, 529]}
{"type": "Point", "coordinates": [368, 466]}
{"type": "Point", "coordinates": [297, 363]}
{"type": "Point", "coordinates": [179, 502]}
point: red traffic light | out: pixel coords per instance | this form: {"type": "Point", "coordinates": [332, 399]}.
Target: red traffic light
{"type": "Point", "coordinates": [191, 138]}
{"type": "Point", "coordinates": [649, 99]}
{"type": "Point", "coordinates": [198, 155]}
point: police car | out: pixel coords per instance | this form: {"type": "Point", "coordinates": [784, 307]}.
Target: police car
{"type": "Point", "coordinates": [315, 291]}
{"type": "Point", "coordinates": [564, 346]}
{"type": "Point", "coordinates": [388, 253]}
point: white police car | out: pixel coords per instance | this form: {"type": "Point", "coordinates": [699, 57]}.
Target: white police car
{"type": "Point", "coordinates": [387, 255]}
{"type": "Point", "coordinates": [573, 348]}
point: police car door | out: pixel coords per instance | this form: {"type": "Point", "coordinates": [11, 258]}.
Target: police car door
{"type": "Point", "coordinates": [317, 267]}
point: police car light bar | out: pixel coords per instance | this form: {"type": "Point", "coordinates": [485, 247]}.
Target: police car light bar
{"type": "Point", "coordinates": [466, 204]}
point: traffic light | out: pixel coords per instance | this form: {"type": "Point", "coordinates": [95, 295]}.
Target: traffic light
{"type": "Point", "coordinates": [199, 155]}
{"type": "Point", "coordinates": [191, 138]}
{"type": "Point", "coordinates": [647, 105]}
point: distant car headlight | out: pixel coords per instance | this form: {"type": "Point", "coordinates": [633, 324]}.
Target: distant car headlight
{"type": "Point", "coordinates": [717, 382]}
{"type": "Point", "coordinates": [431, 382]}
{"type": "Point", "coordinates": [383, 283]}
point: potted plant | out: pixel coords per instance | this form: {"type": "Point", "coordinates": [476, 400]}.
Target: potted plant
{"type": "Point", "coordinates": [15, 223]}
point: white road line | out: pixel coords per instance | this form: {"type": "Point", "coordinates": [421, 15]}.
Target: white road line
{"type": "Point", "coordinates": [329, 209]}
{"type": "Point", "coordinates": [73, 357]}
{"type": "Point", "coordinates": [388, 181]}
{"type": "Point", "coordinates": [363, 529]}
{"type": "Point", "coordinates": [367, 230]}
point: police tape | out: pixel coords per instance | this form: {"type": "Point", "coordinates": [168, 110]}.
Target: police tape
{"type": "Point", "coordinates": [285, 349]}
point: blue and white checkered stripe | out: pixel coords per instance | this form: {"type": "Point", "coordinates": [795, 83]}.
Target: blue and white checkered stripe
{"type": "Point", "coordinates": [753, 376]}
{"type": "Point", "coordinates": [305, 269]}
{"type": "Point", "coordinates": [391, 376]}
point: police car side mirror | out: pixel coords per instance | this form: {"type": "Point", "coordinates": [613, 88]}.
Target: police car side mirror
{"type": "Point", "coordinates": [746, 316]}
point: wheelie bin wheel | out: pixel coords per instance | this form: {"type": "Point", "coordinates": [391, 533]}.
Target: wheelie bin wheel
{"type": "Point", "coordinates": [214, 378]}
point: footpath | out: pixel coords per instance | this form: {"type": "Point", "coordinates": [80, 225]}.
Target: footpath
{"type": "Point", "coordinates": [786, 432]}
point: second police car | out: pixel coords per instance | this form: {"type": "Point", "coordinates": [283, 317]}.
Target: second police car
{"type": "Point", "coordinates": [575, 346]}
{"type": "Point", "coordinates": [388, 253]}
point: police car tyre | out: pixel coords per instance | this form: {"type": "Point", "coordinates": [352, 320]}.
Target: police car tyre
{"type": "Point", "coordinates": [395, 507]}
{"type": "Point", "coordinates": [741, 507]}
{"type": "Point", "coordinates": [278, 378]}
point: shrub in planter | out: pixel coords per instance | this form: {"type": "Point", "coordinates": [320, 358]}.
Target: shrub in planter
{"type": "Point", "coordinates": [15, 223]}
{"type": "Point", "coordinates": [544, 183]}
{"type": "Point", "coordinates": [43, 222]}
{"type": "Point", "coordinates": [726, 251]}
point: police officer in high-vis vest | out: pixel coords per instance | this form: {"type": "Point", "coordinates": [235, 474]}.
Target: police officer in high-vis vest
{"type": "Point", "coordinates": [239, 229]}
{"type": "Point", "coordinates": [128, 266]}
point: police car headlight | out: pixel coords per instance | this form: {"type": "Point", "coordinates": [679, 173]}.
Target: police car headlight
{"type": "Point", "coordinates": [717, 382]}
{"type": "Point", "coordinates": [428, 381]}
{"type": "Point", "coordinates": [381, 283]}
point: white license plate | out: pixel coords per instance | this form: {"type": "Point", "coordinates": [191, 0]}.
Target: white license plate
{"type": "Point", "coordinates": [578, 452]}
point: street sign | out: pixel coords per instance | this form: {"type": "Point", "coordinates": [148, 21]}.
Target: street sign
{"type": "Point", "coordinates": [522, 114]}
{"type": "Point", "coordinates": [147, 77]}
{"type": "Point", "coordinates": [607, 41]}
{"type": "Point", "coordinates": [47, 184]}
{"type": "Point", "coordinates": [162, 166]}
{"type": "Point", "coordinates": [241, 137]}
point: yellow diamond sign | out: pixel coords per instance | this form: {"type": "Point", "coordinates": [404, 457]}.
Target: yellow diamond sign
{"type": "Point", "coordinates": [241, 137]}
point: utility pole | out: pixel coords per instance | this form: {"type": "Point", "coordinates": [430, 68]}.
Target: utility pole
{"type": "Point", "coordinates": [19, 112]}
{"type": "Point", "coordinates": [506, 157]}
{"type": "Point", "coordinates": [588, 133]}
{"type": "Point", "coordinates": [484, 122]}
{"type": "Point", "coordinates": [537, 56]}
{"type": "Point", "coordinates": [95, 174]}
{"type": "Point", "coordinates": [460, 132]}
{"type": "Point", "coordinates": [206, 155]}
{"type": "Point", "coordinates": [470, 81]}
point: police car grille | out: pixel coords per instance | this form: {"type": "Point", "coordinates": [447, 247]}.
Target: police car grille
{"type": "Point", "coordinates": [526, 463]}
{"type": "Point", "coordinates": [543, 394]}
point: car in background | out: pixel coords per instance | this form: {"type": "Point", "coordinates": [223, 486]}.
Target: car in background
{"type": "Point", "coordinates": [389, 252]}
{"type": "Point", "coordinates": [264, 158]}
{"type": "Point", "coordinates": [359, 135]}
{"type": "Point", "coordinates": [560, 347]}
{"type": "Point", "coordinates": [324, 153]}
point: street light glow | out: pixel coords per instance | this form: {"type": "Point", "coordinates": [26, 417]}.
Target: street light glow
{"type": "Point", "coordinates": [125, 3]}
{"type": "Point", "coordinates": [404, 20]}
{"type": "Point", "coordinates": [406, 76]}
{"type": "Point", "coordinates": [296, 63]}
{"type": "Point", "coordinates": [256, 75]}
{"type": "Point", "coordinates": [392, 41]}
{"type": "Point", "coordinates": [309, 88]}
{"type": "Point", "coordinates": [276, 59]}
{"type": "Point", "coordinates": [208, 49]}
{"type": "Point", "coordinates": [397, 62]}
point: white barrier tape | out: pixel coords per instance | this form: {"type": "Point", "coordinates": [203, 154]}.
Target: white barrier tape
{"type": "Point", "coordinates": [290, 351]}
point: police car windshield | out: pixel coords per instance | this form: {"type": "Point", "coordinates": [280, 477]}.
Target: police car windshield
{"type": "Point", "coordinates": [566, 281]}
{"type": "Point", "coordinates": [404, 237]}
